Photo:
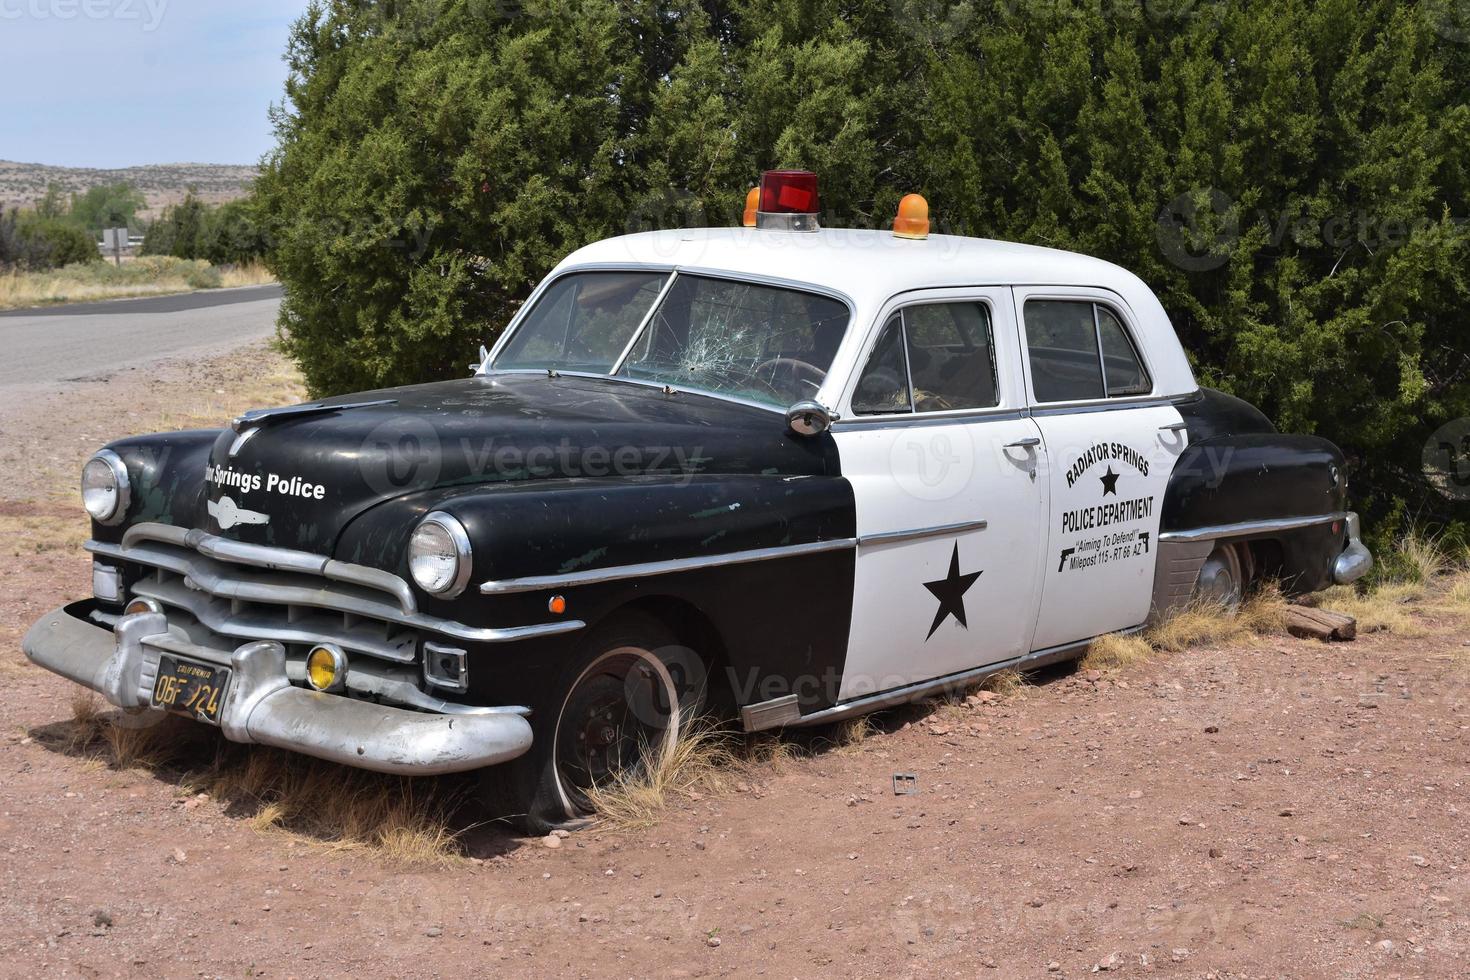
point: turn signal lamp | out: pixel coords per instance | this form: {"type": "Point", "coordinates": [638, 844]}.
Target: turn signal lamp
{"type": "Point", "coordinates": [326, 668]}
{"type": "Point", "coordinates": [788, 200]}
{"type": "Point", "coordinates": [752, 205]}
{"type": "Point", "coordinates": [913, 217]}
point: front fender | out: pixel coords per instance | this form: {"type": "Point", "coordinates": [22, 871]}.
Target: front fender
{"type": "Point", "coordinates": [786, 617]}
{"type": "Point", "coordinates": [166, 471]}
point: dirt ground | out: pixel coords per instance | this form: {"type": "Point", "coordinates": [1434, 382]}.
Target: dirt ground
{"type": "Point", "coordinates": [1286, 808]}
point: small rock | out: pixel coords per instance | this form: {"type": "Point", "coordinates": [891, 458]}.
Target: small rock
{"type": "Point", "coordinates": [1093, 676]}
{"type": "Point", "coordinates": [1053, 966]}
{"type": "Point", "coordinates": [178, 856]}
{"type": "Point", "coordinates": [712, 942]}
{"type": "Point", "coordinates": [1135, 794]}
{"type": "Point", "coordinates": [609, 872]}
{"type": "Point", "coordinates": [1386, 945]}
{"type": "Point", "coordinates": [1419, 860]}
{"type": "Point", "coordinates": [552, 841]}
{"type": "Point", "coordinates": [434, 932]}
{"type": "Point", "coordinates": [1185, 821]}
{"type": "Point", "coordinates": [1214, 852]}
{"type": "Point", "coordinates": [1211, 729]}
{"type": "Point", "coordinates": [102, 919]}
{"type": "Point", "coordinates": [1179, 955]}
{"type": "Point", "coordinates": [563, 834]}
{"type": "Point", "coordinates": [1287, 812]}
{"type": "Point", "coordinates": [1112, 961]}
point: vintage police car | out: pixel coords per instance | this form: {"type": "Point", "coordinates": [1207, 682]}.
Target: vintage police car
{"type": "Point", "coordinates": [788, 473]}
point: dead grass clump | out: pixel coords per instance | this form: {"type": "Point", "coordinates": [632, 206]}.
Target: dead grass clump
{"type": "Point", "coordinates": [1387, 607]}
{"type": "Point", "coordinates": [701, 761]}
{"type": "Point", "coordinates": [1116, 651]}
{"type": "Point", "coordinates": [1006, 682]}
{"type": "Point", "coordinates": [401, 820]}
{"type": "Point", "coordinates": [853, 731]}
{"type": "Point", "coordinates": [252, 273]}
{"type": "Point", "coordinates": [1262, 614]}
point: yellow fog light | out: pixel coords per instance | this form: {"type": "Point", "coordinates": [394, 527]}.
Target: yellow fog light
{"type": "Point", "coordinates": [326, 668]}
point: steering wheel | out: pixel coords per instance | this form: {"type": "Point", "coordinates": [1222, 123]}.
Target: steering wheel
{"type": "Point", "coordinates": [803, 370]}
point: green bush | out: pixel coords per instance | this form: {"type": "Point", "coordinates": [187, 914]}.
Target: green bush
{"type": "Point", "coordinates": [31, 242]}
{"type": "Point", "coordinates": [1292, 178]}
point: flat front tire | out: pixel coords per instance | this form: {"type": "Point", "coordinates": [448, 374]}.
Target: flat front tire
{"type": "Point", "coordinates": [623, 701]}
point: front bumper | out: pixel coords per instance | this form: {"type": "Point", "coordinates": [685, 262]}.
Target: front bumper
{"type": "Point", "coordinates": [262, 707]}
{"type": "Point", "coordinates": [1355, 560]}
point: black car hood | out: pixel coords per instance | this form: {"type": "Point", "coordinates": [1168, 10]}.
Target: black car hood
{"type": "Point", "coordinates": [299, 480]}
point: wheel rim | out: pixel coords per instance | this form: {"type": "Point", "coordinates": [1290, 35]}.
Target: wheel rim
{"type": "Point", "coordinates": [620, 711]}
{"type": "Point", "coordinates": [1220, 579]}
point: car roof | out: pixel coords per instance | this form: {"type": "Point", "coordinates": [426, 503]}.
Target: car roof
{"type": "Point", "coordinates": [870, 268]}
{"type": "Point", "coordinates": [866, 266]}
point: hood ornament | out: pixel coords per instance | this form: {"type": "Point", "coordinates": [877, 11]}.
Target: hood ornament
{"type": "Point", "coordinates": [252, 421]}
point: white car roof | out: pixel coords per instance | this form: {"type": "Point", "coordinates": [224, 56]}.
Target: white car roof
{"type": "Point", "coordinates": [871, 267]}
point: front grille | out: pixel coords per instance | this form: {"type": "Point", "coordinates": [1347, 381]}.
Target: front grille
{"type": "Point", "coordinates": [245, 592]}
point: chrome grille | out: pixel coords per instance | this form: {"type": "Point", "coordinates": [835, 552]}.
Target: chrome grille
{"type": "Point", "coordinates": [250, 592]}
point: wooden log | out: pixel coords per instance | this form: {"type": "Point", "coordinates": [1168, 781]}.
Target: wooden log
{"type": "Point", "coordinates": [1320, 624]}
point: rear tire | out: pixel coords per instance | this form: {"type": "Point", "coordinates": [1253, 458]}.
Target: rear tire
{"type": "Point", "coordinates": [1222, 578]}
{"type": "Point", "coordinates": [629, 692]}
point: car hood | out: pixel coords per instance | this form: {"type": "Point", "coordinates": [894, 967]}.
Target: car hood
{"type": "Point", "coordinates": [298, 480]}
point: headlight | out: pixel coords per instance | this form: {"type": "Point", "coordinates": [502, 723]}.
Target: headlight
{"type": "Point", "coordinates": [439, 555]}
{"type": "Point", "coordinates": [105, 489]}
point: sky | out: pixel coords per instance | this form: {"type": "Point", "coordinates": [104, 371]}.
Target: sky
{"type": "Point", "coordinates": [116, 83]}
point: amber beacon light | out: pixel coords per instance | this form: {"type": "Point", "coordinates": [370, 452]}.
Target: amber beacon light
{"type": "Point", "coordinates": [752, 205]}
{"type": "Point", "coordinates": [913, 217]}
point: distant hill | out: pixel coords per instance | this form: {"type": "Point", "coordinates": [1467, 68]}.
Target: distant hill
{"type": "Point", "coordinates": [23, 184]}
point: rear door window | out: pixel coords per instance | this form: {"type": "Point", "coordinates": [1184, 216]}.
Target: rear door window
{"type": "Point", "coordinates": [933, 357]}
{"type": "Point", "coordinates": [1079, 351]}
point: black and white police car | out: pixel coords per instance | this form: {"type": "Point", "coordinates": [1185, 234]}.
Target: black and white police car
{"type": "Point", "coordinates": [789, 473]}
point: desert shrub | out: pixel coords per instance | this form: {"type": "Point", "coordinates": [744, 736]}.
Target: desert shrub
{"type": "Point", "coordinates": [1292, 178]}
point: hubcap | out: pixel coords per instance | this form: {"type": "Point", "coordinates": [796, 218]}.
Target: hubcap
{"type": "Point", "coordinates": [1220, 578]}
{"type": "Point", "coordinates": [616, 713]}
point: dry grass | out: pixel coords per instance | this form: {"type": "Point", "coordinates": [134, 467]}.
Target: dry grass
{"type": "Point", "coordinates": [399, 820]}
{"type": "Point", "coordinates": [853, 732]}
{"type": "Point", "coordinates": [1198, 624]}
{"type": "Point", "coordinates": [247, 274]}
{"type": "Point", "coordinates": [1388, 607]}
{"type": "Point", "coordinates": [1418, 558]}
{"type": "Point", "coordinates": [1006, 683]}
{"type": "Point", "coordinates": [26, 532]}
{"type": "Point", "coordinates": [703, 761]}
{"type": "Point", "coordinates": [147, 276]}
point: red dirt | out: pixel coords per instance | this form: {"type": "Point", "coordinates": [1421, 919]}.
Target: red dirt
{"type": "Point", "coordinates": [1286, 809]}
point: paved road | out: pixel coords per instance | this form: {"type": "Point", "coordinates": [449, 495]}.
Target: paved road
{"type": "Point", "coordinates": [66, 343]}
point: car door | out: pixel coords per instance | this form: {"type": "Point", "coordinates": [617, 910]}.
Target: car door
{"type": "Point", "coordinates": [1111, 444]}
{"type": "Point", "coordinates": [944, 465]}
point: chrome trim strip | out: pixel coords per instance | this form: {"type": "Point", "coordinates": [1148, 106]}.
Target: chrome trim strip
{"type": "Point", "coordinates": [922, 689]}
{"type": "Point", "coordinates": [1251, 527]}
{"type": "Point", "coordinates": [1110, 405]}
{"type": "Point", "coordinates": [914, 534]}
{"type": "Point", "coordinates": [955, 417]}
{"type": "Point", "coordinates": [614, 573]}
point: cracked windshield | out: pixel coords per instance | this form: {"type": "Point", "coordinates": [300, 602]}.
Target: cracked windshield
{"type": "Point", "coordinates": [762, 343]}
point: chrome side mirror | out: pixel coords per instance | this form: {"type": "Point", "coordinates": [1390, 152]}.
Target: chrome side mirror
{"type": "Point", "coordinates": [808, 418]}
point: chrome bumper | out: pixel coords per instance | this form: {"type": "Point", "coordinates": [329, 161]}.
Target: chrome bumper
{"type": "Point", "coordinates": [262, 707]}
{"type": "Point", "coordinates": [1356, 559]}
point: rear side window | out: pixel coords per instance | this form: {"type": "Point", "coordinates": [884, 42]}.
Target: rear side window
{"type": "Point", "coordinates": [1080, 350]}
{"type": "Point", "coordinates": [935, 357]}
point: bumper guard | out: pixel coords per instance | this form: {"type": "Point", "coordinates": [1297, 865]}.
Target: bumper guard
{"type": "Point", "coordinates": [262, 707]}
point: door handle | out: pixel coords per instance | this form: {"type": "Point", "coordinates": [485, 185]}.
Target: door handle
{"type": "Point", "coordinates": [1029, 442]}
{"type": "Point", "coordinates": [1174, 427]}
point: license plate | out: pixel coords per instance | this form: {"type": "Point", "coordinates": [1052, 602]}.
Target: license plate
{"type": "Point", "coordinates": [188, 688]}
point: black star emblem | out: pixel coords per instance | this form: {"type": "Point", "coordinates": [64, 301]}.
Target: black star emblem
{"type": "Point", "coordinates": [950, 591]}
{"type": "Point", "coordinates": [1109, 482]}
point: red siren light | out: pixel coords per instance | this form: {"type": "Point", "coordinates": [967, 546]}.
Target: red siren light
{"type": "Point", "coordinates": [789, 200]}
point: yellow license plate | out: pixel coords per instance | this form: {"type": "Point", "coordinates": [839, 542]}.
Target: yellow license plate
{"type": "Point", "coordinates": [189, 688]}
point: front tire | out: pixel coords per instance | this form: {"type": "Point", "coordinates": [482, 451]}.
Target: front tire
{"type": "Point", "coordinates": [625, 698]}
{"type": "Point", "coordinates": [1223, 577]}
